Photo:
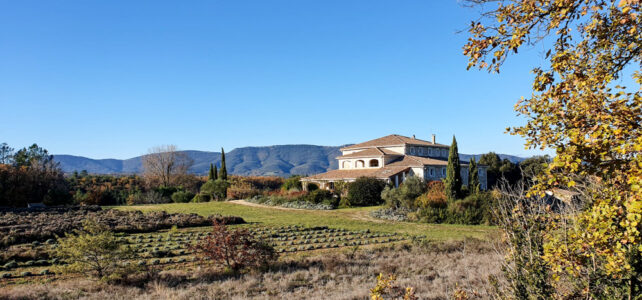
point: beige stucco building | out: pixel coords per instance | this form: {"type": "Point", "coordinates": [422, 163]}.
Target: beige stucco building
{"type": "Point", "coordinates": [392, 158]}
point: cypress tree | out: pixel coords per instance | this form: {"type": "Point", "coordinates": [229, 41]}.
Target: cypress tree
{"type": "Point", "coordinates": [223, 173]}
{"type": "Point", "coordinates": [453, 173]}
{"type": "Point", "coordinates": [212, 175]}
{"type": "Point", "coordinates": [473, 177]}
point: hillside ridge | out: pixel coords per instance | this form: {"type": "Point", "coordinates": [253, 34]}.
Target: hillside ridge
{"type": "Point", "coordinates": [275, 160]}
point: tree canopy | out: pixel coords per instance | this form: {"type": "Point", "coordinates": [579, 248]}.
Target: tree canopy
{"type": "Point", "coordinates": [579, 108]}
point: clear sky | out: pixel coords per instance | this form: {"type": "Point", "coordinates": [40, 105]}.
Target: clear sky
{"type": "Point", "coordinates": [110, 79]}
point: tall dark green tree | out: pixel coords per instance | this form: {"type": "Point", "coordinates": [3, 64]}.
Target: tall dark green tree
{"type": "Point", "coordinates": [453, 173]}
{"type": "Point", "coordinates": [473, 177]}
{"type": "Point", "coordinates": [213, 174]}
{"type": "Point", "coordinates": [223, 173]}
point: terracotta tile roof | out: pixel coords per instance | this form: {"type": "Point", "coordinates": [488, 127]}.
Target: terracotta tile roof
{"type": "Point", "coordinates": [369, 153]}
{"type": "Point", "coordinates": [418, 161]}
{"type": "Point", "coordinates": [393, 140]}
{"type": "Point", "coordinates": [382, 173]}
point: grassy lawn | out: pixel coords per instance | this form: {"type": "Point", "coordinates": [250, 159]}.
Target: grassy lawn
{"type": "Point", "coordinates": [350, 218]}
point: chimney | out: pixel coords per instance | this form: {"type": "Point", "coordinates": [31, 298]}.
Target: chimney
{"type": "Point", "coordinates": [434, 138]}
{"type": "Point", "coordinates": [413, 136]}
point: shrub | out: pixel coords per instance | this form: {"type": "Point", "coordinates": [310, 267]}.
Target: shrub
{"type": "Point", "coordinates": [365, 191]}
{"type": "Point", "coordinates": [182, 196]}
{"type": "Point", "coordinates": [152, 197]}
{"type": "Point", "coordinates": [434, 197]}
{"type": "Point", "coordinates": [390, 214]}
{"type": "Point", "coordinates": [405, 196]}
{"type": "Point", "coordinates": [216, 189]}
{"type": "Point", "coordinates": [94, 251]}
{"type": "Point", "coordinates": [318, 196]}
{"type": "Point", "coordinates": [235, 193]}
{"type": "Point", "coordinates": [386, 288]}
{"type": "Point", "coordinates": [235, 249]}
{"type": "Point", "coordinates": [292, 183]}
{"type": "Point", "coordinates": [198, 198]}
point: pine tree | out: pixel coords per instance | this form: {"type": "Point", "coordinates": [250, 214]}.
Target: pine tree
{"type": "Point", "coordinates": [453, 173]}
{"type": "Point", "coordinates": [473, 177]}
{"type": "Point", "coordinates": [212, 175]}
{"type": "Point", "coordinates": [223, 172]}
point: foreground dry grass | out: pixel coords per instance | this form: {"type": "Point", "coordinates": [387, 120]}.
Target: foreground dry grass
{"type": "Point", "coordinates": [435, 270]}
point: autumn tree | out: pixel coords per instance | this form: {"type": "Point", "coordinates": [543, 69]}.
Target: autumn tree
{"type": "Point", "coordinates": [580, 108]}
{"type": "Point", "coordinates": [453, 173]}
{"type": "Point", "coordinates": [234, 249]}
{"type": "Point", "coordinates": [165, 163]}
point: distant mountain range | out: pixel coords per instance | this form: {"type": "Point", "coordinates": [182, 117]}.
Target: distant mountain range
{"type": "Point", "coordinates": [281, 160]}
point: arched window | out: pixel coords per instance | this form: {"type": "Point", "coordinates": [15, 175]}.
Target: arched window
{"type": "Point", "coordinates": [346, 164]}
{"type": "Point", "coordinates": [374, 163]}
{"type": "Point", "coordinates": [359, 164]}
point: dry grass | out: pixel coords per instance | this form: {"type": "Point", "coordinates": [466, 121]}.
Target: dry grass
{"type": "Point", "coordinates": [434, 270]}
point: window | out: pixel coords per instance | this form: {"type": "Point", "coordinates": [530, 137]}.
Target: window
{"type": "Point", "coordinates": [443, 171]}
{"type": "Point", "coordinates": [345, 164]}
{"type": "Point", "coordinates": [444, 153]}
{"type": "Point", "coordinates": [412, 151]}
{"type": "Point", "coordinates": [430, 151]}
{"type": "Point", "coordinates": [432, 172]}
{"type": "Point", "coordinates": [374, 163]}
{"type": "Point", "coordinates": [359, 164]}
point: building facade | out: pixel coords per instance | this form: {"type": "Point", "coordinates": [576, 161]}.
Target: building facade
{"type": "Point", "coordinates": [393, 158]}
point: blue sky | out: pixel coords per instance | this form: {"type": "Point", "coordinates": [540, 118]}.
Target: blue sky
{"type": "Point", "coordinates": [110, 79]}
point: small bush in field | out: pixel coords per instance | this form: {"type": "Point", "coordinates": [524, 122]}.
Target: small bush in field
{"type": "Point", "coordinates": [234, 249]}
{"type": "Point", "coordinates": [94, 251]}
{"type": "Point", "coordinates": [182, 197]}
{"type": "Point", "coordinates": [387, 289]}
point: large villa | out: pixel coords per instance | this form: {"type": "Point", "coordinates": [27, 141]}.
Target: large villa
{"type": "Point", "coordinates": [392, 158]}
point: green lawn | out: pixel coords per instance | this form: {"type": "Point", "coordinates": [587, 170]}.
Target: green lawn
{"type": "Point", "coordinates": [350, 218]}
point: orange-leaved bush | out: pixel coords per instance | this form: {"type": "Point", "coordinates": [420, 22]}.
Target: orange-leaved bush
{"type": "Point", "coordinates": [234, 249]}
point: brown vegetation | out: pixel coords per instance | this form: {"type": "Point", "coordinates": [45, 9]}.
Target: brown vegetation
{"type": "Point", "coordinates": [23, 225]}
{"type": "Point", "coordinates": [437, 271]}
